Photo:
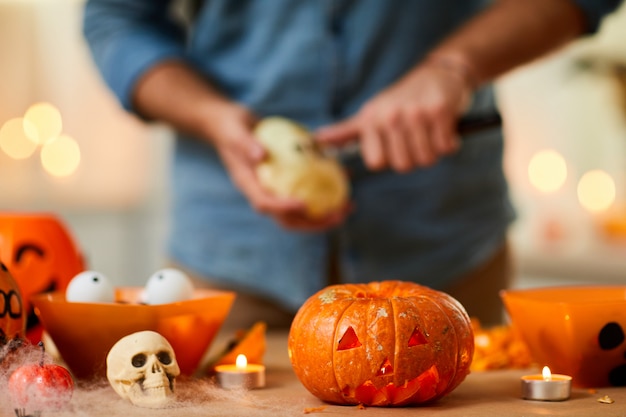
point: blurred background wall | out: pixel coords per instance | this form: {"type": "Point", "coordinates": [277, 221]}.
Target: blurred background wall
{"type": "Point", "coordinates": [116, 200]}
{"type": "Point", "coordinates": [565, 117]}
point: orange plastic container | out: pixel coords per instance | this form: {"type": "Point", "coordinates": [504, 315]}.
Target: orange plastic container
{"type": "Point", "coordinates": [575, 330]}
{"type": "Point", "coordinates": [85, 332]}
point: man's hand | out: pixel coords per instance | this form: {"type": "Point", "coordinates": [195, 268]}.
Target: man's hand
{"type": "Point", "coordinates": [231, 132]}
{"type": "Point", "coordinates": [173, 92]}
{"type": "Point", "coordinates": [410, 124]}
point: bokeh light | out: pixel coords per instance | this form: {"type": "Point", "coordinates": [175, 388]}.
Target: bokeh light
{"type": "Point", "coordinates": [42, 123]}
{"type": "Point", "coordinates": [596, 191]}
{"type": "Point", "coordinates": [61, 156]}
{"type": "Point", "coordinates": [13, 140]}
{"type": "Point", "coordinates": [547, 171]}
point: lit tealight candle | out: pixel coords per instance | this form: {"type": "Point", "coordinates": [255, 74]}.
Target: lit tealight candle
{"type": "Point", "coordinates": [241, 374]}
{"type": "Point", "coordinates": [547, 386]}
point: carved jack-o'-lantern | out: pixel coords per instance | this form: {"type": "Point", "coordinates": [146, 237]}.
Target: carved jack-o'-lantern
{"type": "Point", "coordinates": [41, 255]}
{"type": "Point", "coordinates": [12, 314]}
{"type": "Point", "coordinates": [387, 343]}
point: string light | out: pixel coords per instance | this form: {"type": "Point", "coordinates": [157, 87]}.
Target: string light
{"type": "Point", "coordinates": [547, 171]}
{"type": "Point", "coordinates": [596, 191]}
{"type": "Point", "coordinates": [13, 140]}
{"type": "Point", "coordinates": [42, 123]}
{"type": "Point", "coordinates": [60, 157]}
{"type": "Point", "coordinates": [41, 126]}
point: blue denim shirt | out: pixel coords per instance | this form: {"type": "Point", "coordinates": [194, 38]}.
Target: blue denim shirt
{"type": "Point", "coordinates": [315, 61]}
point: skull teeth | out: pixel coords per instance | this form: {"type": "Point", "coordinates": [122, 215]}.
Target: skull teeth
{"type": "Point", "coordinates": [153, 390]}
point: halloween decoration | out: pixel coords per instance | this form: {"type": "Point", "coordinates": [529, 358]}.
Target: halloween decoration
{"type": "Point", "coordinates": [168, 286]}
{"type": "Point", "coordinates": [546, 386]}
{"type": "Point", "coordinates": [12, 313]}
{"type": "Point", "coordinates": [251, 343]}
{"type": "Point", "coordinates": [610, 338]}
{"type": "Point", "coordinates": [142, 368]}
{"type": "Point", "coordinates": [84, 333]}
{"type": "Point", "coordinates": [575, 330]}
{"type": "Point", "coordinates": [296, 169]}
{"type": "Point", "coordinates": [387, 343]}
{"type": "Point", "coordinates": [90, 287]}
{"type": "Point", "coordinates": [499, 347]}
{"type": "Point", "coordinates": [241, 374]}
{"type": "Point", "coordinates": [41, 386]}
{"type": "Point", "coordinates": [41, 255]}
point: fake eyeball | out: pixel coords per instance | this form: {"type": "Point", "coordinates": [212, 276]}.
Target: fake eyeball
{"type": "Point", "coordinates": [168, 286]}
{"type": "Point", "coordinates": [90, 287]}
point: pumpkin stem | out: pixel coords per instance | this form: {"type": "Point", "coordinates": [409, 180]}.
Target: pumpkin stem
{"type": "Point", "coordinates": [43, 352]}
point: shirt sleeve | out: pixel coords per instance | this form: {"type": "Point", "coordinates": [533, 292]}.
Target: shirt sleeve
{"type": "Point", "coordinates": [126, 38]}
{"type": "Point", "coordinates": [596, 10]}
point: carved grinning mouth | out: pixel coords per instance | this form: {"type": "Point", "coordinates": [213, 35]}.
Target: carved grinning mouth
{"type": "Point", "coordinates": [419, 389]}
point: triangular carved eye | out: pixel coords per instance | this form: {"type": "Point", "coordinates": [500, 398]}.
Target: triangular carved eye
{"type": "Point", "coordinates": [417, 338]}
{"type": "Point", "coordinates": [349, 340]}
{"type": "Point", "coordinates": [385, 369]}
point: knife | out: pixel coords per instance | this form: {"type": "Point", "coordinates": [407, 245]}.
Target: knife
{"type": "Point", "coordinates": [466, 127]}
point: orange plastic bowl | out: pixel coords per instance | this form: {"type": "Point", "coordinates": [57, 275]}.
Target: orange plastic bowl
{"type": "Point", "coordinates": [577, 330]}
{"type": "Point", "coordinates": [85, 332]}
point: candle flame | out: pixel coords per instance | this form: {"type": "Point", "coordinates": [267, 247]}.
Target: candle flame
{"type": "Point", "coordinates": [241, 361]}
{"type": "Point", "coordinates": [547, 375]}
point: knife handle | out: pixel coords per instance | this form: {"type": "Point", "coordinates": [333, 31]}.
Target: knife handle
{"type": "Point", "coordinates": [474, 124]}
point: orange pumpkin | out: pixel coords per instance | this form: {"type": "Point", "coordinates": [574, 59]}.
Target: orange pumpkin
{"type": "Point", "coordinates": [387, 343]}
{"type": "Point", "coordinates": [12, 313]}
{"type": "Point", "coordinates": [41, 255]}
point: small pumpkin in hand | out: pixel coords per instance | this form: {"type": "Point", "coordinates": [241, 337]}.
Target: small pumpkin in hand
{"type": "Point", "coordinates": [389, 343]}
{"type": "Point", "coordinates": [296, 169]}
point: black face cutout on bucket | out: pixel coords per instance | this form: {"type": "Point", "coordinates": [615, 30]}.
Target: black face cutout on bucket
{"type": "Point", "coordinates": [611, 336]}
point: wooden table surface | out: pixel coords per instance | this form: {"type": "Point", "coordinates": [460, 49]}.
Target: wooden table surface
{"type": "Point", "coordinates": [482, 394]}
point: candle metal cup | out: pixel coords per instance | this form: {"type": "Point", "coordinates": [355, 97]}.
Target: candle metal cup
{"type": "Point", "coordinates": [232, 377]}
{"type": "Point", "coordinates": [556, 388]}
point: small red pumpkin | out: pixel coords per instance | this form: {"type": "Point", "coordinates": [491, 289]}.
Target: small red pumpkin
{"type": "Point", "coordinates": [389, 343]}
{"type": "Point", "coordinates": [12, 313]}
{"type": "Point", "coordinates": [41, 386]}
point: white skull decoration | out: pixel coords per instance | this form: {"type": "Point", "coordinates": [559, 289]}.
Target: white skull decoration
{"type": "Point", "coordinates": [142, 368]}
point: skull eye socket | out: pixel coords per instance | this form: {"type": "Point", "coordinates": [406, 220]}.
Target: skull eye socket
{"type": "Point", "coordinates": [164, 358]}
{"type": "Point", "coordinates": [139, 360]}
